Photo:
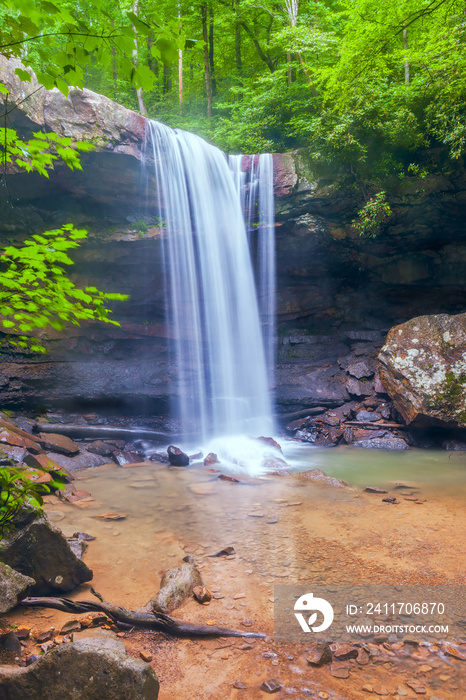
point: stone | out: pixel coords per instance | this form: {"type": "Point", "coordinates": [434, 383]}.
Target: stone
{"type": "Point", "coordinates": [211, 459]}
{"type": "Point", "coordinates": [59, 443]}
{"type": "Point", "coordinates": [91, 668]}
{"type": "Point", "coordinates": [10, 642]}
{"type": "Point", "coordinates": [39, 550]}
{"type": "Point", "coordinates": [415, 685]}
{"type": "Point", "coordinates": [99, 447]}
{"type": "Point", "coordinates": [356, 387]}
{"type": "Point", "coordinates": [270, 441]}
{"type": "Point", "coordinates": [201, 594]}
{"type": "Point", "coordinates": [272, 685]}
{"type": "Point", "coordinates": [360, 369]}
{"type": "Point", "coordinates": [240, 685]}
{"type": "Point", "coordinates": [319, 654]}
{"type": "Point", "coordinates": [367, 416]}
{"type": "Point", "coordinates": [319, 475]}
{"type": "Point", "coordinates": [8, 437]}
{"type": "Point", "coordinates": [423, 369]}
{"type": "Point", "coordinates": [13, 586]}
{"type": "Point", "coordinates": [83, 460]}
{"type": "Point", "coordinates": [177, 457]}
{"type": "Point", "coordinates": [344, 651]}
{"type": "Point", "coordinates": [125, 458]}
{"type": "Point", "coordinates": [42, 461]}
{"type": "Point", "coordinates": [145, 656]}
{"type": "Point", "coordinates": [339, 671]}
{"type": "Point", "coordinates": [374, 489]}
{"type": "Point", "coordinates": [388, 443]}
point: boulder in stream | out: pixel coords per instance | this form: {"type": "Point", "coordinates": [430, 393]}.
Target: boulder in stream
{"type": "Point", "coordinates": [177, 457]}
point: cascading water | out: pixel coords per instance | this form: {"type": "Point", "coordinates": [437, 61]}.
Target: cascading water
{"type": "Point", "coordinates": [211, 296]}
{"type": "Point", "coordinates": [253, 176]}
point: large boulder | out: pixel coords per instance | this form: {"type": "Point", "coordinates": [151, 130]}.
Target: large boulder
{"type": "Point", "coordinates": [13, 586]}
{"type": "Point", "coordinates": [92, 668]}
{"type": "Point", "coordinates": [38, 549]}
{"type": "Point", "coordinates": [423, 369]}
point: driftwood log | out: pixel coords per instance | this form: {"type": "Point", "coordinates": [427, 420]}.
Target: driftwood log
{"type": "Point", "coordinates": [153, 621]}
{"type": "Point", "coordinates": [101, 431]}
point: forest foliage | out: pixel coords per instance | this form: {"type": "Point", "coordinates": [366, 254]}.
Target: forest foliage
{"type": "Point", "coordinates": [368, 86]}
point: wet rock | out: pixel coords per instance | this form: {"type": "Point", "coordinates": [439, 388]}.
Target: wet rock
{"type": "Point", "coordinates": [91, 668]}
{"type": "Point", "coordinates": [201, 594]}
{"type": "Point", "coordinates": [344, 651]}
{"type": "Point", "coordinates": [272, 685]}
{"type": "Point", "coordinates": [226, 477]}
{"type": "Point", "coordinates": [356, 387]}
{"type": "Point", "coordinates": [367, 416]}
{"type": "Point", "coordinates": [270, 441]}
{"type": "Point", "coordinates": [319, 475]}
{"type": "Point", "coordinates": [422, 369]}
{"type": "Point", "coordinates": [83, 460]}
{"type": "Point", "coordinates": [111, 516]}
{"type": "Point", "coordinates": [38, 549]}
{"type": "Point", "coordinates": [361, 369]}
{"type": "Point", "coordinates": [454, 445]}
{"type": "Point", "coordinates": [13, 587]}
{"type": "Point", "coordinates": [387, 443]}
{"type": "Point", "coordinates": [59, 443]}
{"type": "Point", "coordinates": [177, 457]}
{"type": "Point", "coordinates": [7, 437]}
{"type": "Point", "coordinates": [319, 654]}
{"type": "Point", "coordinates": [417, 686]}
{"type": "Point", "coordinates": [390, 499]}
{"type": "Point", "coordinates": [99, 447]}
{"type": "Point", "coordinates": [339, 671]}
{"type": "Point", "coordinates": [42, 461]}
{"type": "Point", "coordinates": [374, 489]}
{"type": "Point", "coordinates": [225, 552]}
{"type": "Point", "coordinates": [10, 642]}
{"type": "Point", "coordinates": [126, 458]}
{"type": "Point", "coordinates": [71, 626]}
{"type": "Point", "coordinates": [78, 547]}
{"type": "Point", "coordinates": [158, 457]}
{"type": "Point", "coordinates": [211, 459]}
{"type": "Point", "coordinates": [176, 586]}
{"type": "Point", "coordinates": [8, 453]}
{"type": "Point", "coordinates": [458, 652]}
{"type": "Point", "coordinates": [239, 685]}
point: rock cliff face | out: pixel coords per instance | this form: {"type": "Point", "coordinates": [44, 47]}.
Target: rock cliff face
{"type": "Point", "coordinates": [338, 293]}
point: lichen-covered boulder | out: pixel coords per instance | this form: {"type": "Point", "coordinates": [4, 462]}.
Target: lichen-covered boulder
{"type": "Point", "coordinates": [12, 586]}
{"type": "Point", "coordinates": [92, 668]}
{"type": "Point", "coordinates": [423, 369]}
{"type": "Point", "coordinates": [38, 549]}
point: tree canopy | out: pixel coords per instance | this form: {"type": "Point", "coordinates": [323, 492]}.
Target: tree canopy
{"type": "Point", "coordinates": [367, 86]}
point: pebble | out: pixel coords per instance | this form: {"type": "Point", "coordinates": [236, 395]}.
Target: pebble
{"type": "Point", "coordinates": [145, 656]}
{"type": "Point", "coordinates": [272, 685]}
{"type": "Point", "coordinates": [239, 685]}
{"type": "Point", "coordinates": [339, 671]}
{"type": "Point", "coordinates": [247, 623]}
{"type": "Point", "coordinates": [237, 596]}
{"type": "Point", "coordinates": [416, 686]}
{"type": "Point", "coordinates": [272, 520]}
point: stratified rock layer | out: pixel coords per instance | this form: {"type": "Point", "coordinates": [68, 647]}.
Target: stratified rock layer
{"type": "Point", "coordinates": [423, 369]}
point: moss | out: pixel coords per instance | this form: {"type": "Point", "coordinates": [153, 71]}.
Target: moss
{"type": "Point", "coordinates": [451, 398]}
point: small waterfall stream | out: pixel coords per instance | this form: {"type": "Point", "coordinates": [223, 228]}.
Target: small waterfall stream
{"type": "Point", "coordinates": [212, 303]}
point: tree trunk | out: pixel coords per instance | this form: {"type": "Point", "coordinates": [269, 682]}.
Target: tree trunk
{"type": "Point", "coordinates": [139, 93]}
{"type": "Point", "coordinates": [208, 87]}
{"type": "Point", "coordinates": [406, 64]}
{"type": "Point", "coordinates": [211, 50]}
{"type": "Point", "coordinates": [114, 70]}
{"type": "Point", "coordinates": [180, 66]}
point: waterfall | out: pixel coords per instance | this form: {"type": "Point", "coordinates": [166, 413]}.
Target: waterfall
{"type": "Point", "coordinates": [212, 304]}
{"type": "Point", "coordinates": [253, 176]}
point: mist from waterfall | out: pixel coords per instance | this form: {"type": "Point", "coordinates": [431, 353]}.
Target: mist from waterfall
{"type": "Point", "coordinates": [212, 305]}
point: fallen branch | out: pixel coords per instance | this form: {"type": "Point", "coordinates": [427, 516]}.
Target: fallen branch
{"type": "Point", "coordinates": [374, 425]}
{"type": "Point", "coordinates": [155, 621]}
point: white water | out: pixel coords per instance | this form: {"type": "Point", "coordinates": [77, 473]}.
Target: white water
{"type": "Point", "coordinates": [212, 304]}
{"type": "Point", "coordinates": [253, 176]}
